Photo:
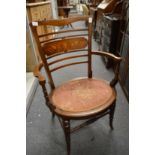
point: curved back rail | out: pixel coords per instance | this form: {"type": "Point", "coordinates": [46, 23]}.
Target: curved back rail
{"type": "Point", "coordinates": [115, 59]}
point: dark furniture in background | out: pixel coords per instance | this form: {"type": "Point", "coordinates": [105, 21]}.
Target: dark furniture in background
{"type": "Point", "coordinates": [61, 10]}
{"type": "Point", "coordinates": [109, 35]}
{"type": "Point", "coordinates": [109, 30]}
{"type": "Point", "coordinates": [66, 10]}
{"type": "Point", "coordinates": [62, 2]}
{"type": "Point", "coordinates": [123, 48]}
{"type": "Point", "coordinates": [103, 8]}
{"type": "Point", "coordinates": [113, 37]}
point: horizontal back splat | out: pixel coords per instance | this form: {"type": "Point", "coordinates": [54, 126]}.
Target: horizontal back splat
{"type": "Point", "coordinates": [65, 45]}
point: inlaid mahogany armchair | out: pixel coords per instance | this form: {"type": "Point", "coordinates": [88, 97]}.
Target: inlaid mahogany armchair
{"type": "Point", "coordinates": [81, 98]}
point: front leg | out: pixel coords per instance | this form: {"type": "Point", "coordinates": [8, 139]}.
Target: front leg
{"type": "Point", "coordinates": [66, 127]}
{"type": "Point", "coordinates": [111, 115]}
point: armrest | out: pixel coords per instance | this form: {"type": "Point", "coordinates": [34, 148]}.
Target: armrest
{"type": "Point", "coordinates": [109, 55]}
{"type": "Point", "coordinates": [117, 61]}
{"type": "Point", "coordinates": [37, 73]}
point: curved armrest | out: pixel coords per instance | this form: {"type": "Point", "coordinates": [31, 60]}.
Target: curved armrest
{"type": "Point", "coordinates": [42, 82]}
{"type": "Point", "coordinates": [109, 55]}
{"type": "Point", "coordinates": [116, 59]}
{"type": "Point", "coordinates": [37, 73]}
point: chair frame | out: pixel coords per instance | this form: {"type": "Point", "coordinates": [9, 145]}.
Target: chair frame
{"type": "Point", "coordinates": [65, 120]}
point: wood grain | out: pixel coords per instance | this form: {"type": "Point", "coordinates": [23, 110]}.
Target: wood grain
{"type": "Point", "coordinates": [64, 21]}
{"type": "Point", "coordinates": [64, 45]}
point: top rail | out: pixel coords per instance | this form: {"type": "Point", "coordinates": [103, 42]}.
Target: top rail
{"type": "Point", "coordinates": [61, 22]}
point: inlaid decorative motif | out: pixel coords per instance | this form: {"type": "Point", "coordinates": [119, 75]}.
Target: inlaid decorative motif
{"type": "Point", "coordinates": [65, 45]}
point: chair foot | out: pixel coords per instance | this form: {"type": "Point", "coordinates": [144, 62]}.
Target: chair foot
{"type": "Point", "coordinates": [66, 126]}
{"type": "Point", "coordinates": [111, 115]}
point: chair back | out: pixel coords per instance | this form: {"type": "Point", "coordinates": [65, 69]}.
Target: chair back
{"type": "Point", "coordinates": [63, 41]}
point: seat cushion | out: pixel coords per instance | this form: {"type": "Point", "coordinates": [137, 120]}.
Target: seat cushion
{"type": "Point", "coordinates": [83, 95]}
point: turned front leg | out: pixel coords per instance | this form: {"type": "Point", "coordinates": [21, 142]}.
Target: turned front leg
{"type": "Point", "coordinates": [66, 126]}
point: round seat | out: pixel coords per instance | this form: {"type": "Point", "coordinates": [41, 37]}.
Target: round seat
{"type": "Point", "coordinates": [82, 97]}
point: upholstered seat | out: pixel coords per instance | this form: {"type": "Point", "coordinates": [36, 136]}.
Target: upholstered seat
{"type": "Point", "coordinates": [77, 97]}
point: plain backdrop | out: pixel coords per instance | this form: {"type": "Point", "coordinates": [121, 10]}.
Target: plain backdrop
{"type": "Point", "coordinates": [13, 77]}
